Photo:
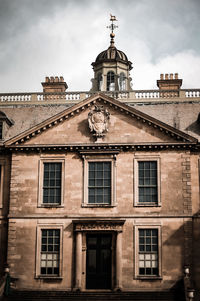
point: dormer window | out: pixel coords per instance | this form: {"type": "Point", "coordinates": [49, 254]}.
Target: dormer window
{"type": "Point", "coordinates": [122, 82]}
{"type": "Point", "coordinates": [110, 81]}
{"type": "Point", "coordinates": [99, 81]}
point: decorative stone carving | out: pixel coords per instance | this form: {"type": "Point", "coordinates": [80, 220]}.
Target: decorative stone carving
{"type": "Point", "coordinates": [99, 226]}
{"type": "Point", "coordinates": [98, 119]}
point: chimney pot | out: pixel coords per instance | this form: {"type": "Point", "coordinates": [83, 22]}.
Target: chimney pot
{"type": "Point", "coordinates": [51, 79]}
{"type": "Point", "coordinates": [61, 79]}
{"type": "Point", "coordinates": [161, 76]}
{"type": "Point", "coordinates": [166, 76]}
{"type": "Point", "coordinates": [56, 79]}
{"type": "Point", "coordinates": [46, 79]}
{"type": "Point", "coordinates": [176, 75]}
{"type": "Point", "coordinates": [171, 76]}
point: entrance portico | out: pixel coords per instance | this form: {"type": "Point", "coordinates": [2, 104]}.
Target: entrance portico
{"type": "Point", "coordinates": [98, 262]}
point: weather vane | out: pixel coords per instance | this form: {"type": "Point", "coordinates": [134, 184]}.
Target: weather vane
{"type": "Point", "coordinates": [112, 26]}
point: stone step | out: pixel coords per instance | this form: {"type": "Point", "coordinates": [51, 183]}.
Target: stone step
{"type": "Point", "coordinates": [93, 296]}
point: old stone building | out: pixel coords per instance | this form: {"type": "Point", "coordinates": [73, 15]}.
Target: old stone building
{"type": "Point", "coordinates": [100, 189]}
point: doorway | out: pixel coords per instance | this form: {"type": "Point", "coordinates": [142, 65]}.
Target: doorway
{"type": "Point", "coordinates": [99, 261]}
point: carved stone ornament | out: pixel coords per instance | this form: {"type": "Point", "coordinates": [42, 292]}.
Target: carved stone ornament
{"type": "Point", "coordinates": [98, 119]}
{"type": "Point", "coordinates": [99, 226]}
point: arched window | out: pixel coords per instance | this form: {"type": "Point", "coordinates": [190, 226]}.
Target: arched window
{"type": "Point", "coordinates": [99, 81]}
{"type": "Point", "coordinates": [122, 82]}
{"type": "Point", "coordinates": [110, 81]}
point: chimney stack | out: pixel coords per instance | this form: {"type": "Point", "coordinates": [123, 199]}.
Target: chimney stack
{"type": "Point", "coordinates": [169, 82]}
{"type": "Point", "coordinates": [54, 85]}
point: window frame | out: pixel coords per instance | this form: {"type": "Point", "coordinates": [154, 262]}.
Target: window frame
{"type": "Point", "coordinates": [86, 161]}
{"type": "Point", "coordinates": [136, 181]}
{"type": "Point", "coordinates": [149, 226]}
{"type": "Point", "coordinates": [110, 78]}
{"type": "Point", "coordinates": [38, 250]}
{"type": "Point", "coordinates": [41, 178]}
{"type": "Point", "coordinates": [122, 81]}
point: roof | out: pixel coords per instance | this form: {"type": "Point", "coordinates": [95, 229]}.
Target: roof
{"type": "Point", "coordinates": [38, 125]}
{"type": "Point", "coordinates": [112, 54]}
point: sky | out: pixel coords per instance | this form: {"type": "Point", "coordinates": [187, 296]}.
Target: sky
{"type": "Point", "coordinates": [40, 38]}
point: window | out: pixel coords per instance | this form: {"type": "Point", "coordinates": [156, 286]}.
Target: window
{"type": "Point", "coordinates": [147, 188]}
{"type": "Point", "coordinates": [99, 183]}
{"type": "Point", "coordinates": [122, 82]}
{"type": "Point", "coordinates": [99, 180]}
{"type": "Point", "coordinates": [99, 81]}
{"type": "Point", "coordinates": [51, 182]}
{"type": "Point", "coordinates": [148, 252]}
{"type": "Point", "coordinates": [147, 182]}
{"type": "Point", "coordinates": [110, 81]}
{"type": "Point", "coordinates": [50, 249]}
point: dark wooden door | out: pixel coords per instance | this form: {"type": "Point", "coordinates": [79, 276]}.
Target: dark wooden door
{"type": "Point", "coordinates": [99, 261]}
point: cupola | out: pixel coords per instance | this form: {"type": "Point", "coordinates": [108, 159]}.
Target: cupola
{"type": "Point", "coordinates": [111, 67]}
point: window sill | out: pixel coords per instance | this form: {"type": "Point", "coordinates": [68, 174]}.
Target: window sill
{"type": "Point", "coordinates": [50, 206]}
{"type": "Point", "coordinates": [150, 278]}
{"type": "Point", "coordinates": [49, 277]}
{"type": "Point", "coordinates": [147, 205]}
{"type": "Point", "coordinates": [98, 205]}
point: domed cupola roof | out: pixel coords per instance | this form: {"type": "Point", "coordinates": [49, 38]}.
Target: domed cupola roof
{"type": "Point", "coordinates": [112, 54]}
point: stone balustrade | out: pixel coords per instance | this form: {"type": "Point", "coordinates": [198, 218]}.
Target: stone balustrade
{"type": "Point", "coordinates": [74, 97]}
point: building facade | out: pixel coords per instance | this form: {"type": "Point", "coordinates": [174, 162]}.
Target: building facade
{"type": "Point", "coordinates": [100, 189]}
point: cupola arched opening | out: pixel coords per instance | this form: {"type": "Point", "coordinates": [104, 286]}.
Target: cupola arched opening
{"type": "Point", "coordinates": [122, 81]}
{"type": "Point", "coordinates": [110, 81]}
{"type": "Point", "coordinates": [99, 81]}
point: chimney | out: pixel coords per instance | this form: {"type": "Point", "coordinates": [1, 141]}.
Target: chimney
{"type": "Point", "coordinates": [54, 85]}
{"type": "Point", "coordinates": [169, 82]}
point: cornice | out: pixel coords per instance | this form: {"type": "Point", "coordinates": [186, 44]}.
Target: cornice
{"type": "Point", "coordinates": [103, 147]}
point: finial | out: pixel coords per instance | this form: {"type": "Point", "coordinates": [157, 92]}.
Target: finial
{"type": "Point", "coordinates": [112, 27]}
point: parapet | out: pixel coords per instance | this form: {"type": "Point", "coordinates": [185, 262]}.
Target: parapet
{"type": "Point", "coordinates": [54, 84]}
{"type": "Point", "coordinates": [169, 82]}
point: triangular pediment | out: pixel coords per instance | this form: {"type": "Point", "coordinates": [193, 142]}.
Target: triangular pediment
{"type": "Point", "coordinates": [126, 125]}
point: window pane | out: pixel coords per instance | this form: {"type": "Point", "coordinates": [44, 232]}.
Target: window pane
{"type": "Point", "coordinates": [50, 252]}
{"type": "Point", "coordinates": [110, 81]}
{"type": "Point", "coordinates": [99, 182]}
{"type": "Point", "coordinates": [52, 183]}
{"type": "Point", "coordinates": [147, 181]}
{"type": "Point", "coordinates": [148, 251]}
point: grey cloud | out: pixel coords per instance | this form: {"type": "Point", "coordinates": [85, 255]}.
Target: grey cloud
{"type": "Point", "coordinates": [63, 37]}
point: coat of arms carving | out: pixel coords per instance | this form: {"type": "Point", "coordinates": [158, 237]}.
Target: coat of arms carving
{"type": "Point", "coordinates": [98, 119]}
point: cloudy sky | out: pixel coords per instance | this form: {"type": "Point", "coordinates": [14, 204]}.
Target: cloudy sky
{"type": "Point", "coordinates": [41, 38]}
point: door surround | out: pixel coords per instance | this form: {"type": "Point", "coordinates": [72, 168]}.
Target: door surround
{"type": "Point", "coordinates": [81, 229]}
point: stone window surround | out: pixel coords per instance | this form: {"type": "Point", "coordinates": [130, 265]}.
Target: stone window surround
{"type": "Point", "coordinates": [99, 158]}
{"type": "Point", "coordinates": [147, 158]}
{"type": "Point", "coordinates": [2, 170]}
{"type": "Point", "coordinates": [147, 225]}
{"type": "Point", "coordinates": [41, 227]}
{"type": "Point", "coordinates": [41, 177]}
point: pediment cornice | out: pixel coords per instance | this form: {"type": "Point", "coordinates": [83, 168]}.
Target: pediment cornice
{"type": "Point", "coordinates": [177, 135]}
